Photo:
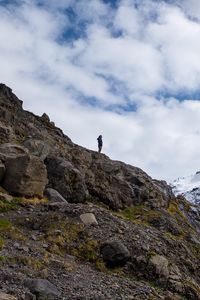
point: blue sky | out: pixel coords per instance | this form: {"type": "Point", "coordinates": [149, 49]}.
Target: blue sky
{"type": "Point", "coordinates": [126, 69]}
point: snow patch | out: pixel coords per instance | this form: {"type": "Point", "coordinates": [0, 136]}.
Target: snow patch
{"type": "Point", "coordinates": [189, 187]}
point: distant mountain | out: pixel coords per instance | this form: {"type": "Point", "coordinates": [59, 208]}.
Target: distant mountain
{"type": "Point", "coordinates": [189, 187]}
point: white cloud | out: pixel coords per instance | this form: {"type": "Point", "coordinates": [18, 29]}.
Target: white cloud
{"type": "Point", "coordinates": [179, 43]}
{"type": "Point", "coordinates": [156, 52]}
{"type": "Point", "coordinates": [127, 20]}
{"type": "Point", "coordinates": [191, 8]}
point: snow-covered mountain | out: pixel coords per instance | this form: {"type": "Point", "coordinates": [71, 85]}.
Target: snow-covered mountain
{"type": "Point", "coordinates": [188, 187]}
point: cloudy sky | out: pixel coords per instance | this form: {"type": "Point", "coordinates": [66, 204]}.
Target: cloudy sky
{"type": "Point", "coordinates": [127, 69]}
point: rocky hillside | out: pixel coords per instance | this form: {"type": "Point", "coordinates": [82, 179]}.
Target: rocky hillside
{"type": "Point", "coordinates": [76, 225]}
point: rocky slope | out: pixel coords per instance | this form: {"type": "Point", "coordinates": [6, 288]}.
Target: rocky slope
{"type": "Point", "coordinates": [189, 187]}
{"type": "Point", "coordinates": [76, 225]}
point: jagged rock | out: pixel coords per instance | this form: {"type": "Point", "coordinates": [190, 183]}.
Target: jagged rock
{"type": "Point", "coordinates": [6, 133]}
{"type": "Point", "coordinates": [25, 175]}
{"type": "Point", "coordinates": [2, 170]}
{"type": "Point", "coordinates": [7, 97]}
{"type": "Point", "coordinates": [45, 117]}
{"type": "Point", "coordinates": [66, 179]}
{"type": "Point", "coordinates": [9, 104]}
{"type": "Point", "coordinates": [4, 296]}
{"type": "Point", "coordinates": [5, 197]}
{"type": "Point", "coordinates": [8, 150]}
{"type": "Point", "coordinates": [37, 147]}
{"type": "Point", "coordinates": [192, 213]}
{"type": "Point", "coordinates": [115, 253]}
{"type": "Point", "coordinates": [54, 196]}
{"type": "Point", "coordinates": [120, 185]}
{"type": "Point", "coordinates": [191, 290]}
{"type": "Point", "coordinates": [159, 267]}
{"type": "Point", "coordinates": [172, 296]}
{"type": "Point", "coordinates": [42, 288]}
{"type": "Point", "coordinates": [88, 219]}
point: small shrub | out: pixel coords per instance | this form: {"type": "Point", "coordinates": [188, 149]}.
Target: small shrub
{"type": "Point", "coordinates": [16, 234]}
{"type": "Point", "coordinates": [181, 219]}
{"type": "Point", "coordinates": [101, 266]}
{"type": "Point", "coordinates": [151, 253]}
{"type": "Point", "coordinates": [2, 258]}
{"type": "Point", "coordinates": [4, 224]}
{"type": "Point", "coordinates": [87, 251]}
{"type": "Point", "coordinates": [31, 262]}
{"type": "Point", "coordinates": [7, 206]}
{"type": "Point", "coordinates": [32, 200]}
{"type": "Point", "coordinates": [1, 243]}
{"type": "Point", "coordinates": [139, 214]}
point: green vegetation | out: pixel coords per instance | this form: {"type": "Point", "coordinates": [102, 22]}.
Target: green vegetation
{"type": "Point", "coordinates": [139, 214]}
{"type": "Point", "coordinates": [154, 285]}
{"type": "Point", "coordinates": [87, 251]}
{"type": "Point", "coordinates": [176, 212]}
{"type": "Point", "coordinates": [7, 230]}
{"type": "Point", "coordinates": [63, 233]}
{"type": "Point", "coordinates": [1, 243]}
{"type": "Point", "coordinates": [66, 236]}
{"type": "Point", "coordinates": [31, 262]}
{"type": "Point", "coordinates": [6, 206]}
{"type": "Point", "coordinates": [17, 201]}
{"type": "Point", "coordinates": [3, 258]}
{"type": "Point", "coordinates": [4, 224]}
{"type": "Point", "coordinates": [151, 253]}
{"type": "Point", "coordinates": [173, 237]}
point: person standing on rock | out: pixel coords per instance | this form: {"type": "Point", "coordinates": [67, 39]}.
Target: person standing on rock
{"type": "Point", "coordinates": [100, 143]}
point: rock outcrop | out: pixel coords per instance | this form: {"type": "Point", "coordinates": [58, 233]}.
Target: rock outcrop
{"type": "Point", "coordinates": [43, 289]}
{"type": "Point", "coordinates": [115, 253]}
{"type": "Point", "coordinates": [22, 173]}
{"type": "Point", "coordinates": [98, 218]}
{"type": "Point", "coordinates": [75, 172]}
{"type": "Point", "coordinates": [66, 179]}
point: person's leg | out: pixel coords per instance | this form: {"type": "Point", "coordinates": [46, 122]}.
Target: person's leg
{"type": "Point", "coordinates": [100, 147]}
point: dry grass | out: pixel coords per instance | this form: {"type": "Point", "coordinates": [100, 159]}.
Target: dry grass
{"type": "Point", "coordinates": [31, 200]}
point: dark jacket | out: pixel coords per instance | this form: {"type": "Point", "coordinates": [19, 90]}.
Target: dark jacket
{"type": "Point", "coordinates": [100, 142]}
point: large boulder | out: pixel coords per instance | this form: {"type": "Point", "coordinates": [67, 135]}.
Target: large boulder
{"type": "Point", "coordinates": [8, 150]}
{"type": "Point", "coordinates": [25, 175]}
{"type": "Point", "coordinates": [54, 196]}
{"type": "Point", "coordinates": [66, 179]}
{"type": "Point", "coordinates": [158, 267]}
{"type": "Point", "coordinates": [88, 219]}
{"type": "Point", "coordinates": [37, 147]}
{"type": "Point", "coordinates": [43, 289]}
{"type": "Point", "coordinates": [119, 185]}
{"type": "Point", "coordinates": [115, 253]}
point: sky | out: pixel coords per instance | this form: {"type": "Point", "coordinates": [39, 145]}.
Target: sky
{"type": "Point", "coordinates": [128, 70]}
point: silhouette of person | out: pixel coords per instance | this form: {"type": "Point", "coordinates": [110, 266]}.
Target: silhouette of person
{"type": "Point", "coordinates": [100, 143]}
